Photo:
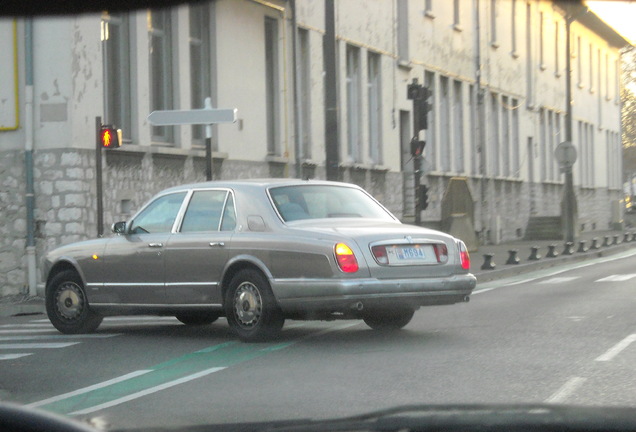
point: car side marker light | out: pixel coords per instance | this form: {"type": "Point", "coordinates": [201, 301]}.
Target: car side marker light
{"type": "Point", "coordinates": [346, 259]}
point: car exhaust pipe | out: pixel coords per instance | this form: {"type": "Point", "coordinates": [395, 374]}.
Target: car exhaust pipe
{"type": "Point", "coordinates": [466, 299]}
{"type": "Point", "coordinates": [357, 306]}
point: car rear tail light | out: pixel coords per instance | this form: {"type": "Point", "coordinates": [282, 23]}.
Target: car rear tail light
{"type": "Point", "coordinates": [441, 252]}
{"type": "Point", "coordinates": [379, 252]}
{"type": "Point", "coordinates": [346, 259]}
{"type": "Point", "coordinates": [464, 257]}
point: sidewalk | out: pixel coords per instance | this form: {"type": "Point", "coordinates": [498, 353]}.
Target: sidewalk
{"type": "Point", "coordinates": [24, 305]}
{"type": "Point", "coordinates": [500, 253]}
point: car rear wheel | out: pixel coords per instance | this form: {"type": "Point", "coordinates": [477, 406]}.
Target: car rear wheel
{"type": "Point", "coordinates": [198, 318]}
{"type": "Point", "coordinates": [251, 308]}
{"type": "Point", "coordinates": [388, 319]}
{"type": "Point", "coordinates": [67, 306]}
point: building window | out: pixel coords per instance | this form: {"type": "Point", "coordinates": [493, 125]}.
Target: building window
{"type": "Point", "coordinates": [514, 132]}
{"type": "Point", "coordinates": [541, 45]}
{"type": "Point", "coordinates": [493, 23]}
{"type": "Point", "coordinates": [557, 52]}
{"type": "Point", "coordinates": [513, 27]}
{"type": "Point", "coordinates": [116, 62]}
{"type": "Point", "coordinates": [607, 87]}
{"type": "Point", "coordinates": [161, 70]}
{"type": "Point", "coordinates": [543, 153]}
{"type": "Point", "coordinates": [403, 30]}
{"type": "Point", "coordinates": [456, 15]}
{"type": "Point", "coordinates": [375, 107]}
{"type": "Point", "coordinates": [431, 142]}
{"type": "Point", "coordinates": [505, 139]}
{"type": "Point", "coordinates": [428, 8]}
{"type": "Point", "coordinates": [272, 86]}
{"type": "Point", "coordinates": [304, 75]}
{"type": "Point", "coordinates": [529, 60]}
{"type": "Point", "coordinates": [591, 68]}
{"type": "Point", "coordinates": [458, 126]}
{"type": "Point", "coordinates": [200, 76]}
{"type": "Point", "coordinates": [475, 152]}
{"type": "Point", "coordinates": [444, 125]}
{"type": "Point", "coordinates": [579, 63]}
{"type": "Point", "coordinates": [354, 102]}
{"type": "Point", "coordinates": [495, 148]}
{"type": "Point", "coordinates": [550, 145]}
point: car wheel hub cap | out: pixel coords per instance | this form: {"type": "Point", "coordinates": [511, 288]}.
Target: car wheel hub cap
{"type": "Point", "coordinates": [69, 301]}
{"type": "Point", "coordinates": [248, 305]}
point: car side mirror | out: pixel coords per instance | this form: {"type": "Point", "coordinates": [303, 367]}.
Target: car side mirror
{"type": "Point", "coordinates": [119, 227]}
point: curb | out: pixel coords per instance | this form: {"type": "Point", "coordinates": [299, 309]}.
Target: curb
{"type": "Point", "coordinates": [31, 306]}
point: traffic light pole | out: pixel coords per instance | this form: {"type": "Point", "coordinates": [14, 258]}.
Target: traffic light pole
{"type": "Point", "coordinates": [98, 177]}
{"type": "Point", "coordinates": [417, 162]}
{"type": "Point", "coordinates": [419, 95]}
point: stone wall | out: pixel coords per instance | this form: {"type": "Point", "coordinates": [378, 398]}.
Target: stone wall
{"type": "Point", "coordinates": [65, 195]}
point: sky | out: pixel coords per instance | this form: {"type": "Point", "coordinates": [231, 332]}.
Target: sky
{"type": "Point", "coordinates": [618, 14]}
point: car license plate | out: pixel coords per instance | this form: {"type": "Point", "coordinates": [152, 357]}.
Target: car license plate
{"type": "Point", "coordinates": [416, 254]}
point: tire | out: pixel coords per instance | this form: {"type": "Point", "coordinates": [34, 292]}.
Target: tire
{"type": "Point", "coordinates": [250, 307]}
{"type": "Point", "coordinates": [393, 319]}
{"type": "Point", "coordinates": [67, 306]}
{"type": "Point", "coordinates": [198, 318]}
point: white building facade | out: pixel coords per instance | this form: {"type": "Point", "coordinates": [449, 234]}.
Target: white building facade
{"type": "Point", "coordinates": [496, 69]}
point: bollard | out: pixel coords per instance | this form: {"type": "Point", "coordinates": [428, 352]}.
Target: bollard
{"type": "Point", "coordinates": [552, 253]}
{"type": "Point", "coordinates": [634, 236]}
{"type": "Point", "coordinates": [626, 237]}
{"type": "Point", "coordinates": [606, 241]}
{"type": "Point", "coordinates": [569, 248]}
{"type": "Point", "coordinates": [512, 257]}
{"type": "Point", "coordinates": [534, 254]}
{"type": "Point", "coordinates": [615, 242]}
{"type": "Point", "coordinates": [582, 246]}
{"type": "Point", "coordinates": [488, 264]}
{"type": "Point", "coordinates": [595, 244]}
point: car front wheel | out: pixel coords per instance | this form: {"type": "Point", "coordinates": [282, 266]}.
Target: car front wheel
{"type": "Point", "coordinates": [388, 319]}
{"type": "Point", "coordinates": [251, 308]}
{"type": "Point", "coordinates": [67, 306]}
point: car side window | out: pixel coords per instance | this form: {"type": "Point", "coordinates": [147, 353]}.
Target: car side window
{"type": "Point", "coordinates": [204, 211]}
{"type": "Point", "coordinates": [159, 215]}
{"type": "Point", "coordinates": [229, 215]}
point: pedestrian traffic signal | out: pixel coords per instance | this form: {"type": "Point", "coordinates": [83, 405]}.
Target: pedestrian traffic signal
{"type": "Point", "coordinates": [417, 147]}
{"type": "Point", "coordinates": [110, 137]}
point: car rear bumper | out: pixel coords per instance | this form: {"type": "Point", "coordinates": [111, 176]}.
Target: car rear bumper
{"type": "Point", "coordinates": [341, 294]}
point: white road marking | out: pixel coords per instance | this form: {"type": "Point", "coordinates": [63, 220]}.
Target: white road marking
{"type": "Point", "coordinates": [616, 349]}
{"type": "Point", "coordinates": [52, 330]}
{"type": "Point", "coordinates": [559, 280]}
{"type": "Point", "coordinates": [51, 345]}
{"type": "Point", "coordinates": [89, 388]}
{"type": "Point", "coordinates": [566, 390]}
{"type": "Point", "coordinates": [58, 336]}
{"type": "Point", "coordinates": [147, 391]}
{"type": "Point", "coordinates": [13, 356]}
{"type": "Point", "coordinates": [618, 278]}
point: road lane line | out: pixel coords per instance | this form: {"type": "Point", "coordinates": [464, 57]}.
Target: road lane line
{"type": "Point", "coordinates": [89, 388]}
{"type": "Point", "coordinates": [617, 278]}
{"type": "Point", "coordinates": [566, 390]}
{"type": "Point", "coordinates": [13, 356]}
{"type": "Point", "coordinates": [147, 391]}
{"type": "Point", "coordinates": [616, 349]}
{"type": "Point", "coordinates": [51, 345]}
{"type": "Point", "coordinates": [58, 336]}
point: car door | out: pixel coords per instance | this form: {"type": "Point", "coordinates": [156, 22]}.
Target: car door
{"type": "Point", "coordinates": [134, 262]}
{"type": "Point", "coordinates": [196, 254]}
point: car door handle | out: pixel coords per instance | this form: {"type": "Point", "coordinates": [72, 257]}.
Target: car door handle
{"type": "Point", "coordinates": [155, 245]}
{"type": "Point", "coordinates": [219, 244]}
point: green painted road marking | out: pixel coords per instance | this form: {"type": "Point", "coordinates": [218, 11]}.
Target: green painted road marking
{"type": "Point", "coordinates": [168, 374]}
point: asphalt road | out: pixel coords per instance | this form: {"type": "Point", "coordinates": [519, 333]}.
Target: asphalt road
{"type": "Point", "coordinates": [562, 335]}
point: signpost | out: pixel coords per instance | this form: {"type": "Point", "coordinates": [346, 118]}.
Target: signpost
{"type": "Point", "coordinates": [206, 116]}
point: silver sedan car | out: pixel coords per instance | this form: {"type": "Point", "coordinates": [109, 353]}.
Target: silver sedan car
{"type": "Point", "coordinates": [258, 252]}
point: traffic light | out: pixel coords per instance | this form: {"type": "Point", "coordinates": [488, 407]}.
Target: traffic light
{"type": "Point", "coordinates": [110, 137]}
{"type": "Point", "coordinates": [423, 197]}
{"type": "Point", "coordinates": [417, 147]}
